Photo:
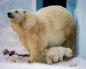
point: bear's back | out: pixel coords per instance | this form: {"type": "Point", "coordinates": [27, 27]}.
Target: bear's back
{"type": "Point", "coordinates": [57, 17]}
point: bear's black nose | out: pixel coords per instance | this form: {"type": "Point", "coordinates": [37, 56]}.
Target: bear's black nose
{"type": "Point", "coordinates": [10, 15]}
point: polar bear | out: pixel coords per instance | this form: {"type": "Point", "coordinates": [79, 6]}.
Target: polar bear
{"type": "Point", "coordinates": [55, 54]}
{"type": "Point", "coordinates": [50, 26]}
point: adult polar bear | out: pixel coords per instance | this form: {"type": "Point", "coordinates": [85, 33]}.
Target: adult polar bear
{"type": "Point", "coordinates": [48, 27]}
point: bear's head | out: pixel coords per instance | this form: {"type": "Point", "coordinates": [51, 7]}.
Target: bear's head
{"type": "Point", "coordinates": [68, 52]}
{"type": "Point", "coordinates": [17, 15]}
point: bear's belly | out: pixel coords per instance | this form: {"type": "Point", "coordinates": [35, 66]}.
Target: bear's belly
{"type": "Point", "coordinates": [56, 39]}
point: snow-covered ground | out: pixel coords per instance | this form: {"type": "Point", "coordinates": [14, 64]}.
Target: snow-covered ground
{"type": "Point", "coordinates": [8, 40]}
{"type": "Point", "coordinates": [76, 63]}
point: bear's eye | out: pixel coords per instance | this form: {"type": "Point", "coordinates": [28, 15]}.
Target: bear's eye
{"type": "Point", "coordinates": [16, 11]}
{"type": "Point", "coordinates": [24, 11]}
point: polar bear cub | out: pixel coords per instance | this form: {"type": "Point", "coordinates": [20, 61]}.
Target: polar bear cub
{"type": "Point", "coordinates": [56, 54]}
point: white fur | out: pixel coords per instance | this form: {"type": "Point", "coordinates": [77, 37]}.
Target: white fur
{"type": "Point", "coordinates": [56, 54]}
{"type": "Point", "coordinates": [49, 27]}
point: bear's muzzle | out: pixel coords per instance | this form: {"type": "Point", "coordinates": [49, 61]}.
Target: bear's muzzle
{"type": "Point", "coordinates": [10, 15]}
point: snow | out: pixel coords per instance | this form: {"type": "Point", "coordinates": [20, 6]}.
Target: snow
{"type": "Point", "coordinates": [30, 66]}
{"type": "Point", "coordinates": [63, 65]}
{"type": "Point", "coordinates": [8, 40]}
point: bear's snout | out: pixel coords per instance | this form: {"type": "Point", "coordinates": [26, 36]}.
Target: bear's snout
{"type": "Point", "coordinates": [10, 15]}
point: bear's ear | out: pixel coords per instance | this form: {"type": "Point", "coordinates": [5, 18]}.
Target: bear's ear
{"type": "Point", "coordinates": [66, 50]}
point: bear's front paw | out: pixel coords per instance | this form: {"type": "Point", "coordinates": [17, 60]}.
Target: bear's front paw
{"type": "Point", "coordinates": [49, 62]}
{"type": "Point", "coordinates": [30, 60]}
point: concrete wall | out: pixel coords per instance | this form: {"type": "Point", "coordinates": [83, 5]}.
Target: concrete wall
{"type": "Point", "coordinates": [81, 18]}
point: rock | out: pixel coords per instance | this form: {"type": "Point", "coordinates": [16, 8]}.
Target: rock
{"type": "Point", "coordinates": [5, 51]}
{"type": "Point", "coordinates": [11, 53]}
